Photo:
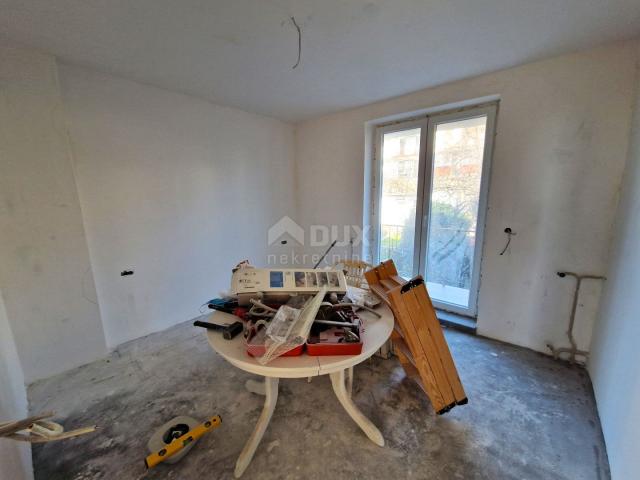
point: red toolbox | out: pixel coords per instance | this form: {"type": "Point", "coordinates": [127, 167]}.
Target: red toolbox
{"type": "Point", "coordinates": [331, 342]}
{"type": "Point", "coordinates": [258, 349]}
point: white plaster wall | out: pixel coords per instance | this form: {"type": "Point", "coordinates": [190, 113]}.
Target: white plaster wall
{"type": "Point", "coordinates": [558, 159]}
{"type": "Point", "coordinates": [614, 365]}
{"type": "Point", "coordinates": [175, 188]}
{"type": "Point", "coordinates": [45, 272]}
{"type": "Point", "coordinates": [15, 457]}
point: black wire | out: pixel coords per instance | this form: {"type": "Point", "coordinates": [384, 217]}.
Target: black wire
{"type": "Point", "coordinates": [510, 234]}
{"type": "Point", "coordinates": [506, 246]}
{"type": "Point", "coordinates": [325, 254]}
{"type": "Point", "coordinates": [299, 41]}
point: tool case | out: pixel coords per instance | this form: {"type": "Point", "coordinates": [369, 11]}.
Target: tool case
{"type": "Point", "coordinates": [331, 342]}
{"type": "Point", "coordinates": [259, 349]}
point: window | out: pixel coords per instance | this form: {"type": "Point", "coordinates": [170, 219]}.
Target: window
{"type": "Point", "coordinates": [429, 210]}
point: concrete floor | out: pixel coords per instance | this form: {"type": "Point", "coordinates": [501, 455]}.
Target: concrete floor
{"type": "Point", "coordinates": [528, 417]}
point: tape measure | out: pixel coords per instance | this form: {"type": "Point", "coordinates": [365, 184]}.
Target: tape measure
{"type": "Point", "coordinates": [178, 438]}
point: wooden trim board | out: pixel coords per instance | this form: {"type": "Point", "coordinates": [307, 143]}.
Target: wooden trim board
{"type": "Point", "coordinates": [418, 337]}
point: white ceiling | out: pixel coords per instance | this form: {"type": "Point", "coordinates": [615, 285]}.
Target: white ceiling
{"type": "Point", "coordinates": [240, 52]}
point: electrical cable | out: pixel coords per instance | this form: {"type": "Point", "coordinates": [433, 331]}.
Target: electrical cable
{"type": "Point", "coordinates": [510, 233]}
{"type": "Point", "coordinates": [295, 24]}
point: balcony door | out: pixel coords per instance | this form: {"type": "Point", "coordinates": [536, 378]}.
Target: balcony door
{"type": "Point", "coordinates": [433, 177]}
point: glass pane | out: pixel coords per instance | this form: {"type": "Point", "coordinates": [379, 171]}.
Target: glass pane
{"type": "Point", "coordinates": [457, 169]}
{"type": "Point", "coordinates": [400, 153]}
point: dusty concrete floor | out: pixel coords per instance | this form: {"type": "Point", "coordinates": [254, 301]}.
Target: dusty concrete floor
{"type": "Point", "coordinates": [528, 417]}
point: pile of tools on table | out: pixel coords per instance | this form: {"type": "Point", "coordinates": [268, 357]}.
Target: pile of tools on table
{"type": "Point", "coordinates": [289, 311]}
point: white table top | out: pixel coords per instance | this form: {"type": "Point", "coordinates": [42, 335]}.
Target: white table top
{"type": "Point", "coordinates": [376, 332]}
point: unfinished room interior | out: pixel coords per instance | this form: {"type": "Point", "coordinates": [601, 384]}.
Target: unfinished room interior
{"type": "Point", "coordinates": [330, 239]}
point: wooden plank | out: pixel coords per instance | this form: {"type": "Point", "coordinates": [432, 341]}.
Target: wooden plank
{"type": "Point", "coordinates": [380, 292]}
{"type": "Point", "coordinates": [371, 276]}
{"type": "Point", "coordinates": [411, 371]}
{"type": "Point", "coordinates": [401, 345]}
{"type": "Point", "coordinates": [9, 428]}
{"type": "Point", "coordinates": [418, 336]}
{"type": "Point", "coordinates": [390, 268]}
{"type": "Point", "coordinates": [438, 400]}
{"type": "Point", "coordinates": [427, 343]}
{"type": "Point", "coordinates": [383, 278]}
{"type": "Point", "coordinates": [389, 284]}
{"type": "Point", "coordinates": [433, 324]}
{"type": "Point", "coordinates": [386, 270]}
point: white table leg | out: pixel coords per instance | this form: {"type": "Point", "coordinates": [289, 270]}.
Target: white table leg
{"type": "Point", "coordinates": [338, 382]}
{"type": "Point", "coordinates": [271, 392]}
{"type": "Point", "coordinates": [350, 382]}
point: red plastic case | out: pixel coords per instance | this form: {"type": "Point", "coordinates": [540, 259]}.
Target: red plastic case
{"type": "Point", "coordinates": [258, 349]}
{"type": "Point", "coordinates": [334, 348]}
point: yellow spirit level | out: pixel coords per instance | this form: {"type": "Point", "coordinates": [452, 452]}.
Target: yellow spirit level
{"type": "Point", "coordinates": [181, 442]}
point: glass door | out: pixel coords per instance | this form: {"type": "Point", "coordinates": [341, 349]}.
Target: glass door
{"type": "Point", "coordinates": [433, 178]}
{"type": "Point", "coordinates": [401, 149]}
{"type": "Point", "coordinates": [458, 145]}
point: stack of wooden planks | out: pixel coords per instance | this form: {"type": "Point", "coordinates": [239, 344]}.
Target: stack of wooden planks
{"type": "Point", "coordinates": [417, 337]}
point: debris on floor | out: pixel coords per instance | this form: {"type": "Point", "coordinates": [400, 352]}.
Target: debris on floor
{"type": "Point", "coordinates": [531, 417]}
{"type": "Point", "coordinates": [36, 429]}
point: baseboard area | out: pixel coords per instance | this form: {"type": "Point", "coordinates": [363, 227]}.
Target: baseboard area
{"type": "Point", "coordinates": [452, 320]}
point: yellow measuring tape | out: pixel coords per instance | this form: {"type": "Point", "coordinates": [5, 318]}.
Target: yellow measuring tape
{"type": "Point", "coordinates": [179, 443]}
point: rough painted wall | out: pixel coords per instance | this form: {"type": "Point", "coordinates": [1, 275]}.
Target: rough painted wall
{"type": "Point", "coordinates": [557, 165]}
{"type": "Point", "coordinates": [45, 272]}
{"type": "Point", "coordinates": [614, 365]}
{"type": "Point", "coordinates": [175, 188]}
{"type": "Point", "coordinates": [15, 457]}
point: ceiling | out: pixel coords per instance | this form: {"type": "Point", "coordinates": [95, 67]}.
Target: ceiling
{"type": "Point", "coordinates": [240, 52]}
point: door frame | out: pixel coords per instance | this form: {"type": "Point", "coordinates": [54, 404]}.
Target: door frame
{"type": "Point", "coordinates": [490, 112]}
{"type": "Point", "coordinates": [427, 123]}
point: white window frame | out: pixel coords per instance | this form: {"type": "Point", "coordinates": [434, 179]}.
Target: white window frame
{"type": "Point", "coordinates": [377, 172]}
{"type": "Point", "coordinates": [428, 123]}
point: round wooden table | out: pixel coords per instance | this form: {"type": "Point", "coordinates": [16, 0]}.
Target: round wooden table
{"type": "Point", "coordinates": [376, 333]}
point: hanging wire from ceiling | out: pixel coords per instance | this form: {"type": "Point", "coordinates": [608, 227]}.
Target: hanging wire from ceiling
{"type": "Point", "coordinates": [295, 24]}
